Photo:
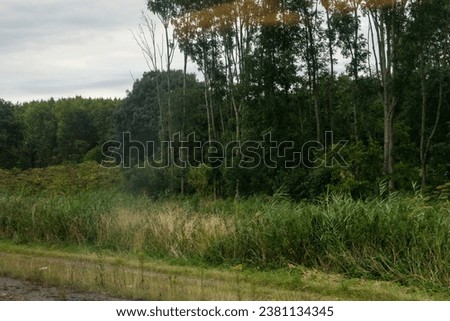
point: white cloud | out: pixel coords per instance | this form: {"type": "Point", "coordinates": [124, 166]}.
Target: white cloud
{"type": "Point", "coordinates": [52, 48]}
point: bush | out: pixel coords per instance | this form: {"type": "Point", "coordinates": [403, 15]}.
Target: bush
{"type": "Point", "coordinates": [61, 179]}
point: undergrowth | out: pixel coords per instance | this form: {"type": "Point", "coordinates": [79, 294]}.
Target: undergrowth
{"type": "Point", "coordinates": [400, 238]}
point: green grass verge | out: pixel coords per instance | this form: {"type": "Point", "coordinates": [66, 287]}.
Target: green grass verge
{"type": "Point", "coordinates": [136, 277]}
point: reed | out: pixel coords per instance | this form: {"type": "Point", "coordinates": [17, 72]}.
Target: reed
{"type": "Point", "coordinates": [400, 238]}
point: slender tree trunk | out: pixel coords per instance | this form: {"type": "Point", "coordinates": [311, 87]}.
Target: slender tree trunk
{"type": "Point", "coordinates": [170, 128]}
{"type": "Point", "coordinates": [331, 82]}
{"type": "Point", "coordinates": [208, 116]}
{"type": "Point", "coordinates": [423, 170]}
{"type": "Point", "coordinates": [169, 105]}
{"type": "Point", "coordinates": [183, 129]}
{"type": "Point", "coordinates": [312, 65]}
{"type": "Point", "coordinates": [211, 110]}
{"type": "Point", "coordinates": [373, 46]}
{"type": "Point", "coordinates": [317, 115]}
{"type": "Point", "coordinates": [425, 142]}
{"type": "Point", "coordinates": [385, 48]}
{"type": "Point", "coordinates": [355, 75]}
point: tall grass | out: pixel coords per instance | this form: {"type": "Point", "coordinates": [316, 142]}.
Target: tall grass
{"type": "Point", "coordinates": [397, 238]}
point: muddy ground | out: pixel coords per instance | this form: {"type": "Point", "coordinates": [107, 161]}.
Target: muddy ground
{"type": "Point", "coordinates": [17, 290]}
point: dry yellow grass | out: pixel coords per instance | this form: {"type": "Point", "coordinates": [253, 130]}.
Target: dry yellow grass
{"type": "Point", "coordinates": [169, 228]}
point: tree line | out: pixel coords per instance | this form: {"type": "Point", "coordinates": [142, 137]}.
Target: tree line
{"type": "Point", "coordinates": [373, 72]}
{"type": "Point", "coordinates": [39, 134]}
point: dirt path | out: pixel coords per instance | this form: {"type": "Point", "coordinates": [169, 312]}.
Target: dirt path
{"type": "Point", "coordinates": [17, 290]}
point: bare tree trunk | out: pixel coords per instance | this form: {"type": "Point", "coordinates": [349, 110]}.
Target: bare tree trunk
{"type": "Point", "coordinates": [355, 74]}
{"type": "Point", "coordinates": [312, 75]}
{"type": "Point", "coordinates": [425, 142]}
{"type": "Point", "coordinates": [423, 169]}
{"type": "Point", "coordinates": [373, 46]}
{"type": "Point", "coordinates": [385, 50]}
{"type": "Point", "coordinates": [331, 82]}
{"type": "Point", "coordinates": [211, 111]}
{"type": "Point", "coordinates": [169, 51]}
{"type": "Point", "coordinates": [208, 116]}
{"type": "Point", "coordinates": [183, 129]}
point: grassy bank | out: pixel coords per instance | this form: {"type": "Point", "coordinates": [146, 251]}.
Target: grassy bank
{"type": "Point", "coordinates": [401, 239]}
{"type": "Point", "coordinates": [134, 277]}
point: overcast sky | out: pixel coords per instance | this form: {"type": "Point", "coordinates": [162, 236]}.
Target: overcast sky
{"type": "Point", "coordinates": [63, 48]}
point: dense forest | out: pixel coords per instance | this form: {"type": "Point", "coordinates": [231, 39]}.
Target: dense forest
{"type": "Point", "coordinates": [372, 73]}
